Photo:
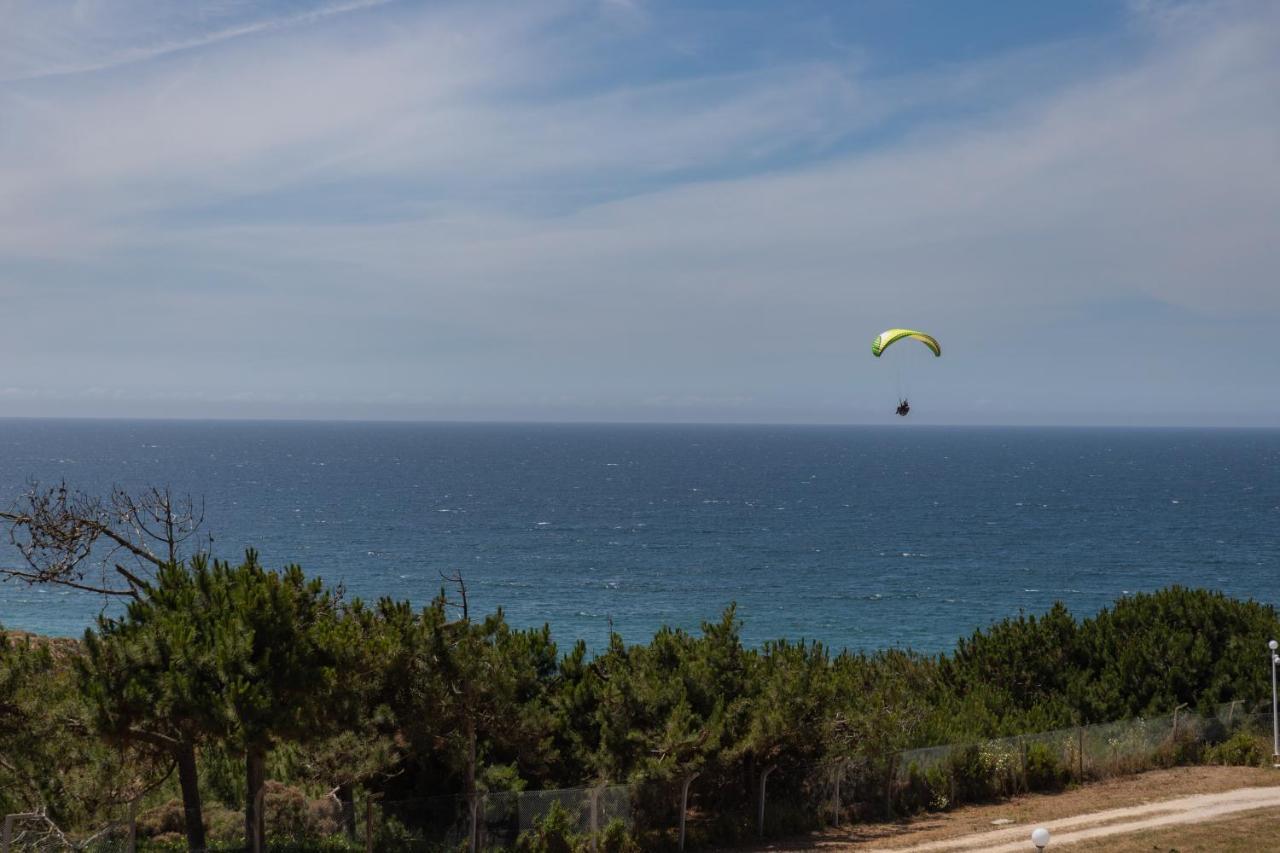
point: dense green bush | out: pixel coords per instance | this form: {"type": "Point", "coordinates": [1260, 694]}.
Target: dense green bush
{"type": "Point", "coordinates": [551, 833]}
{"type": "Point", "coordinates": [1241, 749]}
{"type": "Point", "coordinates": [424, 706]}
{"type": "Point", "coordinates": [615, 838]}
{"type": "Point", "coordinates": [392, 836]}
{"type": "Point", "coordinates": [1045, 770]}
{"type": "Point", "coordinates": [974, 775]}
{"type": "Point", "coordinates": [916, 793]}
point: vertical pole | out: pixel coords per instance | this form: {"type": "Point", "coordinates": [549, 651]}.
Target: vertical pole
{"type": "Point", "coordinates": [1275, 721]}
{"type": "Point", "coordinates": [595, 817]}
{"type": "Point", "coordinates": [1026, 783]}
{"type": "Point", "coordinates": [888, 786]}
{"type": "Point", "coordinates": [132, 844]}
{"type": "Point", "coordinates": [684, 804]}
{"type": "Point", "coordinates": [346, 797]}
{"type": "Point", "coordinates": [368, 823]}
{"type": "Point", "coordinates": [835, 798]}
{"type": "Point", "coordinates": [1080, 752]}
{"type": "Point", "coordinates": [6, 835]}
{"type": "Point", "coordinates": [473, 802]}
{"type": "Point", "coordinates": [763, 778]}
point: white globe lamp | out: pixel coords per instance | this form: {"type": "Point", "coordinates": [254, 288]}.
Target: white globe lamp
{"type": "Point", "coordinates": [1040, 838]}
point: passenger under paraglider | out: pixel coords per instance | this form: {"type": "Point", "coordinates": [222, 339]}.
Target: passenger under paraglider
{"type": "Point", "coordinates": [904, 408]}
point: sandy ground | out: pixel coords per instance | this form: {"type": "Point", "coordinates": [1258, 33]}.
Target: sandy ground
{"type": "Point", "coordinates": [1116, 807]}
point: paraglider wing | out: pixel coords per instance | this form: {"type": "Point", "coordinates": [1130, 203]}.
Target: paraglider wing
{"type": "Point", "coordinates": [889, 336]}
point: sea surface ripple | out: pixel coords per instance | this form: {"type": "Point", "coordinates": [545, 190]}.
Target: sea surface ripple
{"type": "Point", "coordinates": [858, 537]}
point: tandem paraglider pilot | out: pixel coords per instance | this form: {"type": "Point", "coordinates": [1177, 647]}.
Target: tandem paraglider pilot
{"type": "Point", "coordinates": [888, 337]}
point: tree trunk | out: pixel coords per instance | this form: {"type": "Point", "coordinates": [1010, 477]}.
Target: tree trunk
{"type": "Point", "coordinates": [347, 803]}
{"type": "Point", "coordinates": [253, 823]}
{"type": "Point", "coordinates": [471, 759]}
{"type": "Point", "coordinates": [189, 781]}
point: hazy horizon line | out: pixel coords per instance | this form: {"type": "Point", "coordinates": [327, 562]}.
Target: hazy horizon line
{"type": "Point", "coordinates": [445, 421]}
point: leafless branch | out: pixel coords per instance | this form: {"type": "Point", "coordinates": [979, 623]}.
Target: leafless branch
{"type": "Point", "coordinates": [76, 540]}
{"type": "Point", "coordinates": [455, 578]}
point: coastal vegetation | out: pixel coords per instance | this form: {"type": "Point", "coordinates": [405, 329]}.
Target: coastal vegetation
{"type": "Point", "coordinates": [226, 689]}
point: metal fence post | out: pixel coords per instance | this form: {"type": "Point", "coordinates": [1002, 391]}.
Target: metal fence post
{"type": "Point", "coordinates": [1080, 753]}
{"type": "Point", "coordinates": [6, 835]}
{"type": "Point", "coordinates": [763, 778]}
{"type": "Point", "coordinates": [888, 785]}
{"type": "Point", "coordinates": [835, 796]}
{"type": "Point", "coordinates": [368, 823]}
{"type": "Point", "coordinates": [595, 816]}
{"type": "Point", "coordinates": [684, 804]}
{"type": "Point", "coordinates": [473, 802]}
{"type": "Point", "coordinates": [478, 810]}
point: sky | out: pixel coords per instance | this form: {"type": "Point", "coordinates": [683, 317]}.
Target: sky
{"type": "Point", "coordinates": [623, 210]}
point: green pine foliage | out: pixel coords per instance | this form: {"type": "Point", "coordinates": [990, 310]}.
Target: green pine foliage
{"type": "Point", "coordinates": [345, 701]}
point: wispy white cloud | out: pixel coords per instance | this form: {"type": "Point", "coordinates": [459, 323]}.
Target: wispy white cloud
{"type": "Point", "coordinates": [438, 206]}
{"type": "Point", "coordinates": [54, 39]}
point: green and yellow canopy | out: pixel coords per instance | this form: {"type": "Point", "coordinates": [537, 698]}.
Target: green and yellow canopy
{"type": "Point", "coordinates": [889, 336]}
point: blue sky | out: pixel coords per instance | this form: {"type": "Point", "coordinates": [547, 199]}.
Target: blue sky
{"type": "Point", "coordinates": [640, 211]}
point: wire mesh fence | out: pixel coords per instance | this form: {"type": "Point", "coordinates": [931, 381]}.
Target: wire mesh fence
{"type": "Point", "coordinates": [1084, 752]}
{"type": "Point", "coordinates": [784, 797]}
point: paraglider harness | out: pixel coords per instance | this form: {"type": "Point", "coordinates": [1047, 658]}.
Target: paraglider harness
{"type": "Point", "coordinates": [903, 407]}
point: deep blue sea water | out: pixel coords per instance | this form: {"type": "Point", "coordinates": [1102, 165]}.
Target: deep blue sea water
{"type": "Point", "coordinates": [860, 537]}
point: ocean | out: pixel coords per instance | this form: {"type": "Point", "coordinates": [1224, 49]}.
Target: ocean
{"type": "Point", "coordinates": [857, 537]}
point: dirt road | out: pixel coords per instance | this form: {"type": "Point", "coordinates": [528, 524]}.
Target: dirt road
{"type": "Point", "coordinates": [1121, 821]}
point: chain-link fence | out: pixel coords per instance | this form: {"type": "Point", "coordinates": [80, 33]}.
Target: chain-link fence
{"type": "Point", "coordinates": [785, 797]}
{"type": "Point", "coordinates": [497, 819]}
{"type": "Point", "coordinates": [1085, 752]}
{"type": "Point", "coordinates": [792, 797]}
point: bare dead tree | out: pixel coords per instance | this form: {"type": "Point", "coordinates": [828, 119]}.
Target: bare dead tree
{"type": "Point", "coordinates": [455, 578]}
{"type": "Point", "coordinates": [110, 546]}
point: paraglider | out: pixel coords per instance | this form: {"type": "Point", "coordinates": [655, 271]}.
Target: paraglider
{"type": "Point", "coordinates": [891, 336]}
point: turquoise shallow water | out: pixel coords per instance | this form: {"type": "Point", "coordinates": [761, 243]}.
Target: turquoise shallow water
{"type": "Point", "coordinates": [862, 537]}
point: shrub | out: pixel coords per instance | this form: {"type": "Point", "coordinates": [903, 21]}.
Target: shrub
{"type": "Point", "coordinates": [164, 819]}
{"type": "Point", "coordinates": [551, 833]}
{"type": "Point", "coordinates": [973, 777]}
{"type": "Point", "coordinates": [939, 783]}
{"type": "Point", "coordinates": [1185, 748]}
{"type": "Point", "coordinates": [392, 836]}
{"type": "Point", "coordinates": [224, 825]}
{"type": "Point", "coordinates": [1241, 749]}
{"type": "Point", "coordinates": [1045, 769]}
{"type": "Point", "coordinates": [616, 839]}
{"type": "Point", "coordinates": [785, 816]}
{"type": "Point", "coordinates": [915, 795]}
{"type": "Point", "coordinates": [285, 810]}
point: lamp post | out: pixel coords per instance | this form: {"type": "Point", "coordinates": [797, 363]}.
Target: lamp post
{"type": "Point", "coordinates": [1272, 645]}
{"type": "Point", "coordinates": [1040, 838]}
